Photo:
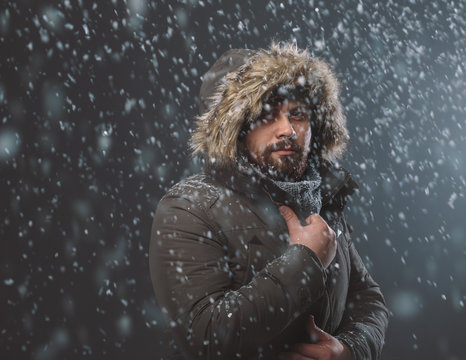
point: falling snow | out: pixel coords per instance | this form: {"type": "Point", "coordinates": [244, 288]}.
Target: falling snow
{"type": "Point", "coordinates": [98, 100]}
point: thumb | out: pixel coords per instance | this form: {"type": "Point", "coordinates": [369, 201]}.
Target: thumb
{"type": "Point", "coordinates": [290, 217]}
{"type": "Point", "coordinates": [315, 333]}
{"type": "Point", "coordinates": [309, 219]}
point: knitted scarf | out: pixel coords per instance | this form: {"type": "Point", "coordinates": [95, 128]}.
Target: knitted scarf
{"type": "Point", "coordinates": [302, 196]}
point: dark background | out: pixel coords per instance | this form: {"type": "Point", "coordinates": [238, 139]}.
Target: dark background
{"type": "Point", "coordinates": [97, 101]}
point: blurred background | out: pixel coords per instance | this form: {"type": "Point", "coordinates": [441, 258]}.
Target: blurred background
{"type": "Point", "coordinates": [97, 101]}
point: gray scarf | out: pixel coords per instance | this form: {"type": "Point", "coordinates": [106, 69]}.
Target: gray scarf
{"type": "Point", "coordinates": [302, 196]}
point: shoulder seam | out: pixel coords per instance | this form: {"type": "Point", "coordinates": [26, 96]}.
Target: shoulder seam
{"type": "Point", "coordinates": [195, 189]}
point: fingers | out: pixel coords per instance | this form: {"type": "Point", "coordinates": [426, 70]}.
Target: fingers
{"type": "Point", "coordinates": [290, 217]}
{"type": "Point", "coordinates": [318, 349]}
{"type": "Point", "coordinates": [312, 329]}
{"type": "Point", "coordinates": [316, 334]}
{"type": "Point", "coordinates": [310, 218]}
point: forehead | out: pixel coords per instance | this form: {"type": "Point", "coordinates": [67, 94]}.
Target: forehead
{"type": "Point", "coordinates": [284, 104]}
{"type": "Point", "coordinates": [290, 95]}
{"type": "Point", "coordinates": [289, 103]}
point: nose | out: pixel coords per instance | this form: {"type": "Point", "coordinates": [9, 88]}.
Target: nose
{"type": "Point", "coordinates": [284, 126]}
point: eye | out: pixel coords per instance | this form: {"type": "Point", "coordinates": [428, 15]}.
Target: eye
{"type": "Point", "coordinates": [299, 115]}
{"type": "Point", "coordinates": [267, 116]}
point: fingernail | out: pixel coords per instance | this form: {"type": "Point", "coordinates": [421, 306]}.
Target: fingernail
{"type": "Point", "coordinates": [282, 210]}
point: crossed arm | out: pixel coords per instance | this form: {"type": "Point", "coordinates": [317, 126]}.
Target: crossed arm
{"type": "Point", "coordinates": [361, 333]}
{"type": "Point", "coordinates": [191, 278]}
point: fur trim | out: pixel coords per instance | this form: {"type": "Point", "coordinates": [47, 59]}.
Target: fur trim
{"type": "Point", "coordinates": [239, 98]}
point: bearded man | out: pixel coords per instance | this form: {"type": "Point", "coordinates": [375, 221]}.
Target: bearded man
{"type": "Point", "coordinates": [252, 258]}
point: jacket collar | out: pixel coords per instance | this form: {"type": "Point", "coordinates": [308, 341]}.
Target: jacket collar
{"type": "Point", "coordinates": [335, 180]}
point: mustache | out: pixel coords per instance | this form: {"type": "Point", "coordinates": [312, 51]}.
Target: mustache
{"type": "Point", "coordinates": [283, 145]}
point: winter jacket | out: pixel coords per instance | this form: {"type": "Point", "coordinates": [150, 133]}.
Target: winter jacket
{"type": "Point", "coordinates": [224, 274]}
{"type": "Point", "coordinates": [231, 285]}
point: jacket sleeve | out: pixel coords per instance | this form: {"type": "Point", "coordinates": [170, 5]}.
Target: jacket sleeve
{"type": "Point", "coordinates": [192, 282]}
{"type": "Point", "coordinates": [365, 318]}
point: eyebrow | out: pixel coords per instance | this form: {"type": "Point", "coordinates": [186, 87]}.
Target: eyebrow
{"type": "Point", "coordinates": [298, 104]}
{"type": "Point", "coordinates": [301, 107]}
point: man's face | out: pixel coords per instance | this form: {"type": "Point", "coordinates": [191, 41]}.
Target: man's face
{"type": "Point", "coordinates": [279, 141]}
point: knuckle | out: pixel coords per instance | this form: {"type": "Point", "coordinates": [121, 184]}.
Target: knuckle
{"type": "Point", "coordinates": [300, 348]}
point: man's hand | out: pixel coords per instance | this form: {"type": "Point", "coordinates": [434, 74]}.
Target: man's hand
{"type": "Point", "coordinates": [324, 347]}
{"type": "Point", "coordinates": [316, 235]}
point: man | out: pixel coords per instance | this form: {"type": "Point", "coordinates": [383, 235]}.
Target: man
{"type": "Point", "coordinates": [252, 259]}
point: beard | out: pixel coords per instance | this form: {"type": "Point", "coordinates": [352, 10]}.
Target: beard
{"type": "Point", "coordinates": [285, 167]}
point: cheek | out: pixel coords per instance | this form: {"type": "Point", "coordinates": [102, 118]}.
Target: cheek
{"type": "Point", "coordinates": [306, 137]}
{"type": "Point", "coordinates": [256, 139]}
{"type": "Point", "coordinates": [251, 144]}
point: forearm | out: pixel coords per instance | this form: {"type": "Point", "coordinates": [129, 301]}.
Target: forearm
{"type": "Point", "coordinates": [230, 322]}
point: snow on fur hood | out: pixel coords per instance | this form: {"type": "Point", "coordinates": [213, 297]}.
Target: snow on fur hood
{"type": "Point", "coordinates": [234, 88]}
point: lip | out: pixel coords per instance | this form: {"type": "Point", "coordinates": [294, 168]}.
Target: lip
{"type": "Point", "coordinates": [284, 152]}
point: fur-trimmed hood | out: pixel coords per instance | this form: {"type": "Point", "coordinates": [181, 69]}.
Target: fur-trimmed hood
{"type": "Point", "coordinates": [234, 88]}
